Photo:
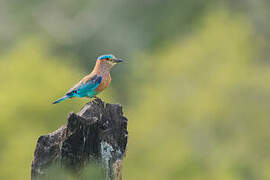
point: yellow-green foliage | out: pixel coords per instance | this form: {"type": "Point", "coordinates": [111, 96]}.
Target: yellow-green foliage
{"type": "Point", "coordinates": [205, 109]}
{"type": "Point", "coordinates": [30, 81]}
{"type": "Point", "coordinates": [201, 111]}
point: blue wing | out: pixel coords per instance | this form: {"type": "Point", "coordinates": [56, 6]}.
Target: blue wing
{"type": "Point", "coordinates": [85, 89]}
{"type": "Point", "coordinates": [82, 89]}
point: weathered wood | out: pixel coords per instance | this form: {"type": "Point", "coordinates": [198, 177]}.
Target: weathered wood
{"type": "Point", "coordinates": [98, 133]}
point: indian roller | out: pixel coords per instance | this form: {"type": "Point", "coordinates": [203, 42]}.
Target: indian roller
{"type": "Point", "coordinates": [95, 82]}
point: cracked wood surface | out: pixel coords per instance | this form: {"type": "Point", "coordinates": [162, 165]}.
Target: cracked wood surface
{"type": "Point", "coordinates": [98, 133]}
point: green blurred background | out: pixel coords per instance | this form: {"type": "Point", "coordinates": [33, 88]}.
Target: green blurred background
{"type": "Point", "coordinates": [194, 85]}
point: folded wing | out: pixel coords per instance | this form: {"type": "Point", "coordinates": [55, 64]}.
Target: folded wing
{"type": "Point", "coordinates": [85, 88]}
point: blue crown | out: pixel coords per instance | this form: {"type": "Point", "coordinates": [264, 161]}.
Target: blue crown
{"type": "Point", "coordinates": [109, 56]}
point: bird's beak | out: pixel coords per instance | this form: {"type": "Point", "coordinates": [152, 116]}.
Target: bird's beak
{"type": "Point", "coordinates": [117, 60]}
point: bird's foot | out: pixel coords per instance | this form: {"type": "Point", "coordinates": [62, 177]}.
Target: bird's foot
{"type": "Point", "coordinates": [93, 97]}
{"type": "Point", "coordinates": [96, 98]}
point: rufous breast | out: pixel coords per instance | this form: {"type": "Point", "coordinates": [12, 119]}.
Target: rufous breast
{"type": "Point", "coordinates": [106, 80]}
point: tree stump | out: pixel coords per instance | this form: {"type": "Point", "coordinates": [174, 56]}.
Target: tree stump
{"type": "Point", "coordinates": [98, 133]}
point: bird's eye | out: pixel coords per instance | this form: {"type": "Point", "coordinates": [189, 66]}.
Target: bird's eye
{"type": "Point", "coordinates": [107, 59]}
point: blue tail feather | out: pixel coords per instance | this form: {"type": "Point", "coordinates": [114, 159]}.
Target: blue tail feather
{"type": "Point", "coordinates": [61, 99]}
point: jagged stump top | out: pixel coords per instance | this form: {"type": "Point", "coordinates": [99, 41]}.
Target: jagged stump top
{"type": "Point", "coordinates": [98, 133]}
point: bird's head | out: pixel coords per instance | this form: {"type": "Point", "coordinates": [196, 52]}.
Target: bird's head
{"type": "Point", "coordinates": [108, 60]}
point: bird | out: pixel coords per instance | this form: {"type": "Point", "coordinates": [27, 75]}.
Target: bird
{"type": "Point", "coordinates": [95, 82]}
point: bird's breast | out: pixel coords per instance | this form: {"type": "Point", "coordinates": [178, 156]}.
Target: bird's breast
{"type": "Point", "coordinates": [106, 80]}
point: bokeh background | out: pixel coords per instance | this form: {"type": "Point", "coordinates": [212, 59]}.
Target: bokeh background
{"type": "Point", "coordinates": [195, 84]}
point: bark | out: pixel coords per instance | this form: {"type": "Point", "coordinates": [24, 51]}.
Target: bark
{"type": "Point", "coordinates": [97, 134]}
